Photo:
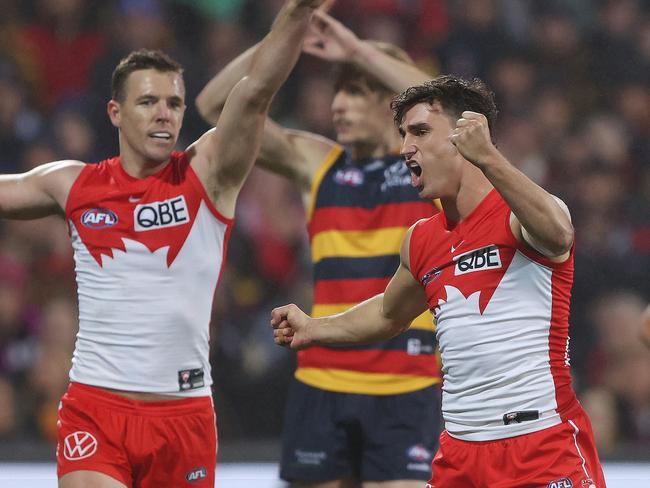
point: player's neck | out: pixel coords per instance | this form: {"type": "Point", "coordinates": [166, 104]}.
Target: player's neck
{"type": "Point", "coordinates": [471, 192]}
{"type": "Point", "coordinates": [367, 150]}
{"type": "Point", "coordinates": [138, 167]}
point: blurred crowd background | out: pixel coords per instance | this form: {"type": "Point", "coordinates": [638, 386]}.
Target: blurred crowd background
{"type": "Point", "coordinates": [572, 80]}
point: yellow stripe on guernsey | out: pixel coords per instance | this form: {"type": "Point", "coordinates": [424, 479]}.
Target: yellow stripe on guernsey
{"type": "Point", "coordinates": [329, 160]}
{"type": "Point", "coordinates": [356, 243]}
{"type": "Point", "coordinates": [423, 321]}
{"type": "Point", "coordinates": [343, 381]}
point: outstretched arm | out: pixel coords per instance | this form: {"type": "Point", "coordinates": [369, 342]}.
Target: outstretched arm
{"type": "Point", "coordinates": [329, 39]}
{"type": "Point", "coordinates": [226, 155]}
{"type": "Point", "coordinates": [540, 219]}
{"type": "Point", "coordinates": [38, 193]}
{"type": "Point", "coordinates": [378, 318]}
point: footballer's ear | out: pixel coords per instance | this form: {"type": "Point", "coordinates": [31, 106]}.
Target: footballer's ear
{"type": "Point", "coordinates": [113, 110]}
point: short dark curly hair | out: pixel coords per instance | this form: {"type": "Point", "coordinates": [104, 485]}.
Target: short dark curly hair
{"type": "Point", "coordinates": [139, 60]}
{"type": "Point", "coordinates": [454, 94]}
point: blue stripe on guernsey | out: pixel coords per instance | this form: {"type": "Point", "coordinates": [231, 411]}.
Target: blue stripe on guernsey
{"type": "Point", "coordinates": [344, 268]}
{"type": "Point", "coordinates": [344, 185]}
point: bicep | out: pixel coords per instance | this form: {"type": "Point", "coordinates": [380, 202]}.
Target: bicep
{"type": "Point", "coordinates": [239, 134]}
{"type": "Point", "coordinates": [404, 298]}
{"type": "Point", "coordinates": [223, 156]}
{"type": "Point", "coordinates": [33, 194]}
{"type": "Point", "coordinates": [523, 236]}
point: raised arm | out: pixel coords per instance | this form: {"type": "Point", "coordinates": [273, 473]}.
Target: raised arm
{"type": "Point", "coordinates": [223, 157]}
{"type": "Point", "coordinates": [330, 40]}
{"type": "Point", "coordinates": [293, 154]}
{"type": "Point", "coordinates": [38, 193]}
{"type": "Point", "coordinates": [213, 97]}
{"type": "Point", "coordinates": [378, 318]}
{"type": "Point", "coordinates": [540, 220]}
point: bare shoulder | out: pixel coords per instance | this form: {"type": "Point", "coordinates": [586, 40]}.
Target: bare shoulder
{"type": "Point", "coordinates": [66, 168]}
{"type": "Point", "coordinates": [57, 175]}
{"type": "Point", "coordinates": [313, 145]}
{"type": "Point", "coordinates": [405, 250]}
{"type": "Point", "coordinates": [313, 149]}
{"type": "Point", "coordinates": [57, 178]}
{"type": "Point", "coordinates": [40, 192]}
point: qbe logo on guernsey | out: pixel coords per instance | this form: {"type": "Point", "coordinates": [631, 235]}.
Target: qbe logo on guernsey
{"type": "Point", "coordinates": [159, 215]}
{"type": "Point", "coordinates": [477, 260]}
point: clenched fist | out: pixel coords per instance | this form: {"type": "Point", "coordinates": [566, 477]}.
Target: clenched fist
{"type": "Point", "coordinates": [472, 138]}
{"type": "Point", "coordinates": [291, 327]}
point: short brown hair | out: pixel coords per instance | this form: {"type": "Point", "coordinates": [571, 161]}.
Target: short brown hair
{"type": "Point", "coordinates": [454, 94]}
{"type": "Point", "coordinates": [139, 60]}
{"type": "Point", "coordinates": [347, 74]}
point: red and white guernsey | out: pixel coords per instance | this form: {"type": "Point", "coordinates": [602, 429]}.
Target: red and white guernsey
{"type": "Point", "coordinates": [148, 254]}
{"type": "Point", "coordinates": [502, 324]}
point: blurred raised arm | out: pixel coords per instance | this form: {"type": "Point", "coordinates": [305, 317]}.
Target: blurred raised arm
{"type": "Point", "coordinates": [329, 39]}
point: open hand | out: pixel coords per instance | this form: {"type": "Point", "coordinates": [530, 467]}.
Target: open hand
{"type": "Point", "coordinates": [330, 40]}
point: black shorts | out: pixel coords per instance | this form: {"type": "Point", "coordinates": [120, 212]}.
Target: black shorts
{"type": "Point", "coordinates": [330, 436]}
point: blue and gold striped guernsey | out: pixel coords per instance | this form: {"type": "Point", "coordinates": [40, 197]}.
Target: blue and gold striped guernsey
{"type": "Point", "coordinates": [357, 217]}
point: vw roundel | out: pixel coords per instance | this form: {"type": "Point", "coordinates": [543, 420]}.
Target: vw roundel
{"type": "Point", "coordinates": [99, 218]}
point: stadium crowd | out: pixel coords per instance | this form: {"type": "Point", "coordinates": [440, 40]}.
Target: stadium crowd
{"type": "Point", "coordinates": [573, 83]}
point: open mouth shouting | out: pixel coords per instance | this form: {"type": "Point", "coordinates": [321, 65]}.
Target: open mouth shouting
{"type": "Point", "coordinates": [414, 167]}
{"type": "Point", "coordinates": [416, 172]}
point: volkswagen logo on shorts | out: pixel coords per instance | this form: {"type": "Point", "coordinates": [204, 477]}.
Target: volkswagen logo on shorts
{"type": "Point", "coordinates": [98, 218]}
{"type": "Point", "coordinates": [79, 445]}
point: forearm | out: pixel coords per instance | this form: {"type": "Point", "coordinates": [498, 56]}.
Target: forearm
{"type": "Point", "coordinates": [212, 98]}
{"type": "Point", "coordinates": [536, 209]}
{"type": "Point", "coordinates": [278, 52]}
{"type": "Point", "coordinates": [397, 75]}
{"type": "Point", "coordinates": [363, 323]}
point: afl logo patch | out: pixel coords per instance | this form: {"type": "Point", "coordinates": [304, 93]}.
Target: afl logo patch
{"type": "Point", "coordinates": [561, 483]}
{"type": "Point", "coordinates": [430, 276]}
{"type": "Point", "coordinates": [349, 177]}
{"type": "Point", "coordinates": [79, 445]}
{"type": "Point", "coordinates": [99, 218]}
{"type": "Point", "coordinates": [419, 453]}
{"type": "Point", "coordinates": [196, 474]}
